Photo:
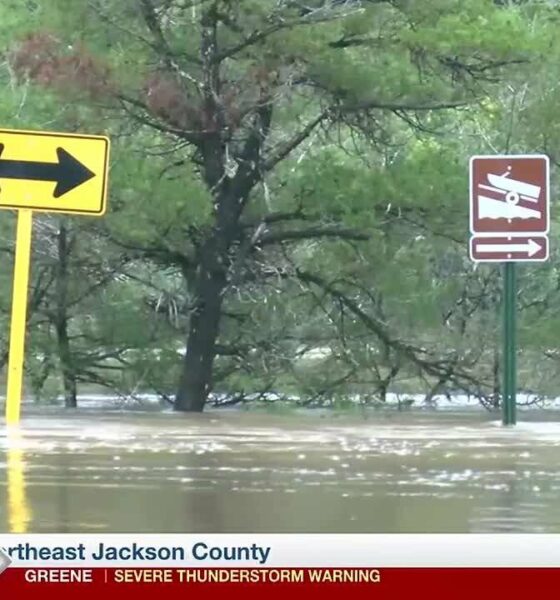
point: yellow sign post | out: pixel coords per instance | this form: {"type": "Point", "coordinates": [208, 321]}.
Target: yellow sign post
{"type": "Point", "coordinates": [19, 316]}
{"type": "Point", "coordinates": [48, 172]}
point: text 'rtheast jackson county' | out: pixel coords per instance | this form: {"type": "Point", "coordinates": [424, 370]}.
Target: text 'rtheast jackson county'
{"type": "Point", "coordinates": [200, 551]}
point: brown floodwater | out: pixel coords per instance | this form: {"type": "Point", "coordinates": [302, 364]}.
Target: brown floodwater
{"type": "Point", "coordinates": [235, 471]}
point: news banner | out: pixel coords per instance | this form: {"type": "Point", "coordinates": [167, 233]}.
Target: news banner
{"type": "Point", "coordinates": [387, 566]}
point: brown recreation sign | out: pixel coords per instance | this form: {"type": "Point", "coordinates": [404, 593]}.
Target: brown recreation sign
{"type": "Point", "coordinates": [509, 208]}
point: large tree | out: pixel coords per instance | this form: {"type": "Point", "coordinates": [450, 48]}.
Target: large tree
{"type": "Point", "coordinates": [242, 98]}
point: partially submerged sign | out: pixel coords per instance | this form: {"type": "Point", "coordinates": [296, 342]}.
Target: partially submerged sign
{"type": "Point", "coordinates": [509, 222]}
{"type": "Point", "coordinates": [48, 172]}
{"type": "Point", "coordinates": [65, 173]}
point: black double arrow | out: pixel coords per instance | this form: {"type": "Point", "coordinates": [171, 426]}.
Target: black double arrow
{"type": "Point", "coordinates": [68, 172]}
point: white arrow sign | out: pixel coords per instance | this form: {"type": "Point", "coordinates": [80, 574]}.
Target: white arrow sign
{"type": "Point", "coordinates": [5, 561]}
{"type": "Point", "coordinates": [530, 248]}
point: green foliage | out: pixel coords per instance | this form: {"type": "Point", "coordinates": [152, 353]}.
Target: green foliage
{"type": "Point", "coordinates": [409, 89]}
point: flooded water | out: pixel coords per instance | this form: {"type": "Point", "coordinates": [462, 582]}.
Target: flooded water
{"type": "Point", "coordinates": [229, 471]}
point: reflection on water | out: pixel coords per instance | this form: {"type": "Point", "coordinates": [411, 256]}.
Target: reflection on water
{"type": "Point", "coordinates": [18, 511]}
{"type": "Point", "coordinates": [234, 472]}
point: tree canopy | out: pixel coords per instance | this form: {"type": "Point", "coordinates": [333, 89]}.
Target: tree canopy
{"type": "Point", "coordinates": [288, 207]}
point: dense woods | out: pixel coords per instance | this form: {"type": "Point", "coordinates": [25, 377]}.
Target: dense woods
{"type": "Point", "coordinates": [288, 201]}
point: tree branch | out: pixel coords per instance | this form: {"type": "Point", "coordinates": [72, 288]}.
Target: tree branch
{"type": "Point", "coordinates": [151, 19]}
{"type": "Point", "coordinates": [250, 161]}
{"type": "Point", "coordinates": [283, 151]}
{"type": "Point", "coordinates": [403, 106]}
{"type": "Point", "coordinates": [313, 17]}
{"type": "Point", "coordinates": [311, 233]}
{"type": "Point", "coordinates": [193, 137]}
{"type": "Point", "coordinates": [276, 217]}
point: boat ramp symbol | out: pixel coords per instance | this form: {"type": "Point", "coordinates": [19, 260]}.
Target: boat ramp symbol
{"type": "Point", "coordinates": [511, 199]}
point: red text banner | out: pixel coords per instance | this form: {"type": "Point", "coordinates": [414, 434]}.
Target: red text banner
{"type": "Point", "coordinates": [246, 583]}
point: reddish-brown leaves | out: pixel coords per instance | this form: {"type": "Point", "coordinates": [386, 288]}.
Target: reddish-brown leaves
{"type": "Point", "coordinates": [43, 59]}
{"type": "Point", "coordinates": [167, 99]}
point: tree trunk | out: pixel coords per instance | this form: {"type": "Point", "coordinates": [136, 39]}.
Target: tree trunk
{"type": "Point", "coordinates": [68, 375]}
{"type": "Point", "coordinates": [61, 321]}
{"type": "Point", "coordinates": [230, 196]}
{"type": "Point", "coordinates": [38, 380]}
{"type": "Point", "coordinates": [196, 376]}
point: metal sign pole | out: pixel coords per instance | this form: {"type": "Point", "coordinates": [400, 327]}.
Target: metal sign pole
{"type": "Point", "coordinates": [509, 356]}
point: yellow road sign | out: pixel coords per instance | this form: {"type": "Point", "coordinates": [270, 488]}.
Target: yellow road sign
{"type": "Point", "coordinates": [53, 172]}
{"type": "Point", "coordinates": [49, 172]}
